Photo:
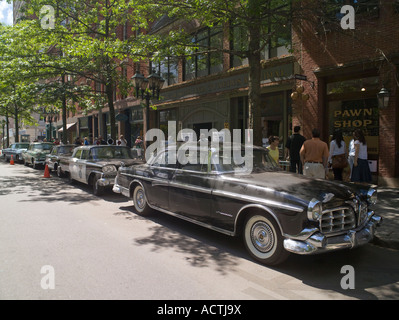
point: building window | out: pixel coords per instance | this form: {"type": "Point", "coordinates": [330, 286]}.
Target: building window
{"type": "Point", "coordinates": [239, 43]}
{"type": "Point", "coordinates": [207, 58]}
{"type": "Point", "coordinates": [168, 69]}
{"type": "Point", "coordinates": [277, 46]}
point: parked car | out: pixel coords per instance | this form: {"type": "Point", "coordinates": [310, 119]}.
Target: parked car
{"type": "Point", "coordinates": [56, 153]}
{"type": "Point", "coordinates": [15, 150]}
{"type": "Point", "coordinates": [36, 153]}
{"type": "Point", "coordinates": [96, 165]}
{"type": "Point", "coordinates": [276, 212]}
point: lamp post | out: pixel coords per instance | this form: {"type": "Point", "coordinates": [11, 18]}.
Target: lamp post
{"type": "Point", "coordinates": [49, 118]}
{"type": "Point", "coordinates": [147, 88]}
{"type": "Point", "coordinates": [383, 98]}
{"type": "Point", "coordinates": [3, 124]}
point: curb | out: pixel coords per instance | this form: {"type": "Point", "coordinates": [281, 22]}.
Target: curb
{"type": "Point", "coordinates": [389, 244]}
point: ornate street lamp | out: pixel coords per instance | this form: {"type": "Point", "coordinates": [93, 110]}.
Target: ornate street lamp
{"type": "Point", "coordinates": [3, 124]}
{"type": "Point", "coordinates": [49, 117]}
{"type": "Point", "coordinates": [383, 98]}
{"type": "Point", "coordinates": [147, 88]}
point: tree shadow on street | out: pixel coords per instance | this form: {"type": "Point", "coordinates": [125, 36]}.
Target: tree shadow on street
{"type": "Point", "coordinates": [53, 189]}
{"type": "Point", "coordinates": [200, 246]}
{"type": "Point", "coordinates": [374, 266]}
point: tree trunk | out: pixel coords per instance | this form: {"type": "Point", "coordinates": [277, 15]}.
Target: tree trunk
{"type": "Point", "coordinates": [110, 97]}
{"type": "Point", "coordinates": [16, 122]}
{"type": "Point", "coordinates": [64, 114]}
{"type": "Point", "coordinates": [254, 96]}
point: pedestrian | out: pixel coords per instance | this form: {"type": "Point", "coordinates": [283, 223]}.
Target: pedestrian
{"type": "Point", "coordinates": [78, 142]}
{"type": "Point", "coordinates": [273, 148]}
{"type": "Point", "coordinates": [361, 170]}
{"type": "Point", "coordinates": [314, 156]}
{"type": "Point", "coordinates": [293, 145]}
{"type": "Point", "coordinates": [351, 155]}
{"type": "Point", "coordinates": [86, 141]}
{"type": "Point", "coordinates": [337, 156]}
{"type": "Point", "coordinates": [101, 141]}
{"type": "Point", "coordinates": [56, 141]}
{"type": "Point", "coordinates": [122, 141]}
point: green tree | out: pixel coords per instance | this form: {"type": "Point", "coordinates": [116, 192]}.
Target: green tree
{"type": "Point", "coordinates": [87, 31]}
{"type": "Point", "coordinates": [261, 20]}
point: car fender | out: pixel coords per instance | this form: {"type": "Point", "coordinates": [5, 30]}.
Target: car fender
{"type": "Point", "coordinates": [243, 212]}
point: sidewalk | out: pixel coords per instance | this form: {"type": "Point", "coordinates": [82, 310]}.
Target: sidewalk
{"type": "Point", "coordinates": [387, 235]}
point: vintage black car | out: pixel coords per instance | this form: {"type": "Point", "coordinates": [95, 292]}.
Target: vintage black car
{"type": "Point", "coordinates": [15, 150]}
{"type": "Point", "coordinates": [57, 152]}
{"type": "Point", "coordinates": [276, 212]}
{"type": "Point", "coordinates": [95, 165]}
{"type": "Point", "coordinates": [36, 153]}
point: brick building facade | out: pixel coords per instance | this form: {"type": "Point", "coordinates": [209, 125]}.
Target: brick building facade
{"type": "Point", "coordinates": [346, 69]}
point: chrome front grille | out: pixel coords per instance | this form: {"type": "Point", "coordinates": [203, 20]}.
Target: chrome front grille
{"type": "Point", "coordinates": [363, 213]}
{"type": "Point", "coordinates": [337, 220]}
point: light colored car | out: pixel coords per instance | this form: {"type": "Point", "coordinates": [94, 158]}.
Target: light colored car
{"type": "Point", "coordinates": [15, 150]}
{"type": "Point", "coordinates": [54, 157]}
{"type": "Point", "coordinates": [36, 153]}
{"type": "Point", "coordinates": [95, 165]}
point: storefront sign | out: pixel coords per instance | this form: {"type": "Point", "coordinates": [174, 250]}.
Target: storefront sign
{"type": "Point", "coordinates": [350, 115]}
{"type": "Point", "coordinates": [350, 118]}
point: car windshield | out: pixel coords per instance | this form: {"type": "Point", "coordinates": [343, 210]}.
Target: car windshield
{"type": "Point", "coordinates": [21, 145]}
{"type": "Point", "coordinates": [221, 160]}
{"type": "Point", "coordinates": [42, 147]}
{"type": "Point", "coordinates": [66, 150]}
{"type": "Point", "coordinates": [258, 161]}
{"type": "Point", "coordinates": [110, 152]}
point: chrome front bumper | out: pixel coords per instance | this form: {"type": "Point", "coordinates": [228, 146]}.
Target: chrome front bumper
{"type": "Point", "coordinates": [106, 181]}
{"type": "Point", "coordinates": [119, 189]}
{"type": "Point", "coordinates": [318, 243]}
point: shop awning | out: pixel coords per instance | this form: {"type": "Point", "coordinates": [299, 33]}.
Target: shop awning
{"type": "Point", "coordinates": [69, 125]}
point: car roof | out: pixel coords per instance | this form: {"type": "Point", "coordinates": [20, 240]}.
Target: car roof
{"type": "Point", "coordinates": [41, 143]}
{"type": "Point", "coordinates": [100, 146]}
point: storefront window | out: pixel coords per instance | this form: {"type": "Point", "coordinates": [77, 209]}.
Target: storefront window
{"type": "Point", "coordinates": [350, 115]}
{"type": "Point", "coordinates": [136, 123]}
{"type": "Point", "coordinates": [272, 113]}
{"type": "Point", "coordinates": [353, 105]}
{"type": "Point", "coordinates": [164, 117]}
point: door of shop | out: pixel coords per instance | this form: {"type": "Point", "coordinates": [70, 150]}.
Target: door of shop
{"type": "Point", "coordinates": [198, 126]}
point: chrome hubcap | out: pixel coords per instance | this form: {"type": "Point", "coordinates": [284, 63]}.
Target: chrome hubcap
{"type": "Point", "coordinates": [140, 199]}
{"type": "Point", "coordinates": [262, 236]}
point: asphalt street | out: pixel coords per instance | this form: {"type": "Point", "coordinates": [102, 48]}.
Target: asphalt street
{"type": "Point", "coordinates": [58, 241]}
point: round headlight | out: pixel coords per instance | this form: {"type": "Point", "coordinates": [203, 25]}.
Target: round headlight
{"type": "Point", "coordinates": [315, 210]}
{"type": "Point", "coordinates": [372, 196]}
{"type": "Point", "coordinates": [109, 169]}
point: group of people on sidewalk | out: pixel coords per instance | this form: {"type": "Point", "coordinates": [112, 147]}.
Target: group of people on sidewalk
{"type": "Point", "coordinates": [313, 158]}
{"type": "Point", "coordinates": [100, 141]}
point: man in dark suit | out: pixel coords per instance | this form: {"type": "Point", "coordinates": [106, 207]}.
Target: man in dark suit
{"type": "Point", "coordinates": [293, 145]}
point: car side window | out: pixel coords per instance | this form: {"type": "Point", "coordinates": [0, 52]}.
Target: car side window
{"type": "Point", "coordinates": [200, 165]}
{"type": "Point", "coordinates": [85, 154]}
{"type": "Point", "coordinates": [162, 160]}
{"type": "Point", "coordinates": [78, 153]}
